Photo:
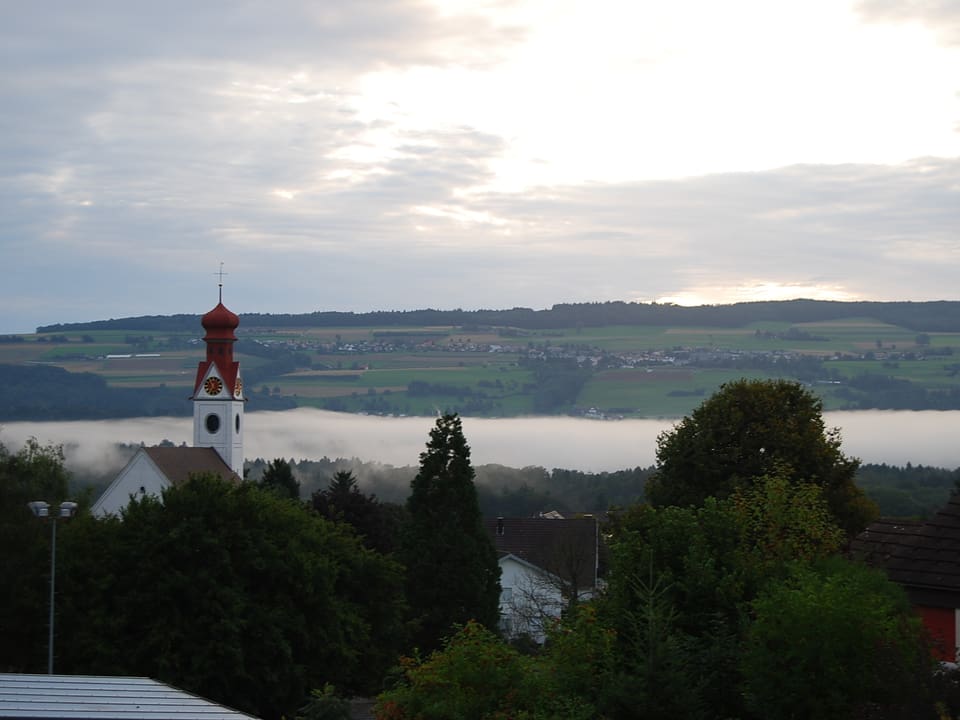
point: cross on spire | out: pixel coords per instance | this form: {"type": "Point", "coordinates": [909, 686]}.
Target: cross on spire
{"type": "Point", "coordinates": [220, 275]}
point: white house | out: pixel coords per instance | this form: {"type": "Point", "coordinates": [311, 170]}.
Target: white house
{"type": "Point", "coordinates": [546, 564]}
{"type": "Point", "coordinates": [530, 598]}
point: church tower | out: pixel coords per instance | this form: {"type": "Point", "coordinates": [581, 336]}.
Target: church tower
{"type": "Point", "coordinates": [218, 391]}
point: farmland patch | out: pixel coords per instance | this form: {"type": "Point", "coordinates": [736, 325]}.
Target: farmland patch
{"type": "Point", "coordinates": [647, 376]}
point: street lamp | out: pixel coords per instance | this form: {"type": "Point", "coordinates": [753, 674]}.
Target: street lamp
{"type": "Point", "coordinates": [42, 510]}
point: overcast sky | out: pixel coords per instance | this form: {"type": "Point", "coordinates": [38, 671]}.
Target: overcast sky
{"type": "Point", "coordinates": [394, 154]}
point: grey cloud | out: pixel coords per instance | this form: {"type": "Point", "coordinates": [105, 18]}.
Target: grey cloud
{"type": "Point", "coordinates": [129, 104]}
{"type": "Point", "coordinates": [141, 144]}
{"type": "Point", "coordinates": [361, 34]}
{"type": "Point", "coordinates": [872, 231]}
{"type": "Point", "coordinates": [941, 16]}
{"type": "Point", "coordinates": [803, 224]}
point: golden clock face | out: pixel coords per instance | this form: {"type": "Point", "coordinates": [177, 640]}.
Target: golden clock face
{"type": "Point", "coordinates": [238, 388]}
{"type": "Point", "coordinates": [213, 386]}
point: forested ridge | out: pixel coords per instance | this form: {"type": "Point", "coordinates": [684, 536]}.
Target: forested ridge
{"type": "Point", "coordinates": [932, 316]}
{"type": "Point", "coordinates": [910, 491]}
{"type": "Point", "coordinates": [45, 392]}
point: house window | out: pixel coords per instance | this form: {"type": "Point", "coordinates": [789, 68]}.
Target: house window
{"type": "Point", "coordinates": [506, 594]}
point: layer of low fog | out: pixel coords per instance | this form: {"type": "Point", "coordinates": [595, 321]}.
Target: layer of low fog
{"type": "Point", "coordinates": [896, 438]}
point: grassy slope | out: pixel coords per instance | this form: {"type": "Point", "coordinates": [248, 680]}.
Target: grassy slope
{"type": "Point", "coordinates": [651, 389]}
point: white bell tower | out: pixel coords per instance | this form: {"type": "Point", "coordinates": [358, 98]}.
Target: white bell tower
{"type": "Point", "coordinates": [218, 390]}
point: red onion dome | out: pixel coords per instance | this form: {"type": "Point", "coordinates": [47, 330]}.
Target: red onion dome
{"type": "Point", "coordinates": [220, 319]}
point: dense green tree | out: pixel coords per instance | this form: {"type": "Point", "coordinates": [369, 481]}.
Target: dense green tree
{"type": "Point", "coordinates": [35, 472]}
{"type": "Point", "coordinates": [452, 570]}
{"type": "Point", "coordinates": [378, 524]}
{"type": "Point", "coordinates": [325, 704]}
{"type": "Point", "coordinates": [278, 477]}
{"type": "Point", "coordinates": [691, 552]}
{"type": "Point", "coordinates": [780, 523]}
{"type": "Point", "coordinates": [477, 676]}
{"type": "Point", "coordinates": [750, 429]}
{"type": "Point", "coordinates": [680, 586]}
{"type": "Point", "coordinates": [687, 584]}
{"type": "Point", "coordinates": [673, 602]}
{"type": "Point", "coordinates": [831, 640]}
{"type": "Point", "coordinates": [230, 592]}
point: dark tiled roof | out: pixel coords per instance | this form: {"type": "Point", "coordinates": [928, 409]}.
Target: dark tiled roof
{"type": "Point", "coordinates": [567, 548]}
{"type": "Point", "coordinates": [178, 463]}
{"type": "Point", "coordinates": [919, 555]}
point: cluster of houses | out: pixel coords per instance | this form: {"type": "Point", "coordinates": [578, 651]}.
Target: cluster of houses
{"type": "Point", "coordinates": [585, 355]}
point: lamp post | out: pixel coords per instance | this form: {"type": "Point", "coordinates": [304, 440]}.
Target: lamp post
{"type": "Point", "coordinates": [66, 511]}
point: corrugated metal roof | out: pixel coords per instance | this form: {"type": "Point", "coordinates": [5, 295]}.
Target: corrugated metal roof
{"type": "Point", "coordinates": [103, 698]}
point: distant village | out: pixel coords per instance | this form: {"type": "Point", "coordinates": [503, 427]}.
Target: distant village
{"type": "Point", "coordinates": [586, 355]}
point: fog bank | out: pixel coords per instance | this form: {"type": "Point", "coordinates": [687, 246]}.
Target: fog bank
{"type": "Point", "coordinates": [892, 437]}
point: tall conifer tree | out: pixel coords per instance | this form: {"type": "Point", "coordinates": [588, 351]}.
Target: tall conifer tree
{"type": "Point", "coordinates": [278, 478]}
{"type": "Point", "coordinates": [452, 570]}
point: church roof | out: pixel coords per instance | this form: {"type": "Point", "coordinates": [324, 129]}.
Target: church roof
{"type": "Point", "coordinates": [918, 555]}
{"type": "Point", "coordinates": [152, 469]}
{"type": "Point", "coordinates": [178, 463]}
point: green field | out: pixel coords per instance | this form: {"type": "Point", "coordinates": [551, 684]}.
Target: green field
{"type": "Point", "coordinates": [635, 371]}
{"type": "Point", "coordinates": [656, 392]}
{"type": "Point", "coordinates": [851, 335]}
